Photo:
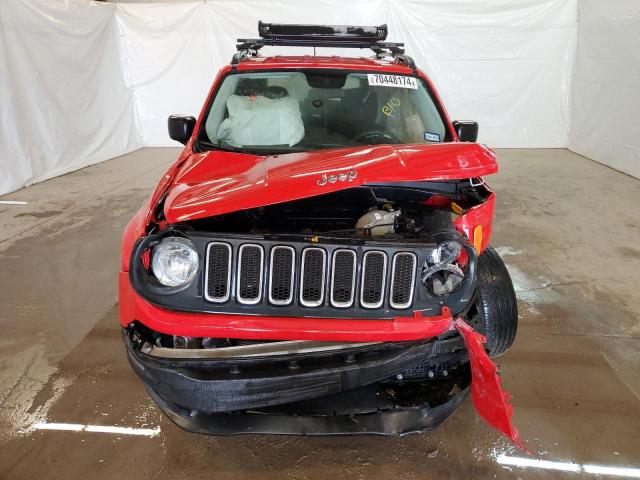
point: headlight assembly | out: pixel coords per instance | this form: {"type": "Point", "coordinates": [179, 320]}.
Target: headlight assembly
{"type": "Point", "coordinates": [175, 261]}
{"type": "Point", "coordinates": [441, 272]}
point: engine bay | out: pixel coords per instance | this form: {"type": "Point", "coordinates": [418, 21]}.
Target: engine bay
{"type": "Point", "coordinates": [410, 212]}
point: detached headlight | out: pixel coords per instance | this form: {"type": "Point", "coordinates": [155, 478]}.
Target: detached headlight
{"type": "Point", "coordinates": [441, 272]}
{"type": "Point", "coordinates": [175, 261]}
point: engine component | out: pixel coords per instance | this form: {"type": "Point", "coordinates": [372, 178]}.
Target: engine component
{"type": "Point", "coordinates": [378, 222]}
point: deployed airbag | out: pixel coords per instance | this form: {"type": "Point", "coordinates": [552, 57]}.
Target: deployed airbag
{"type": "Point", "coordinates": [258, 120]}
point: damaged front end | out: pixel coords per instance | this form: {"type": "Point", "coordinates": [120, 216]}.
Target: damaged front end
{"type": "Point", "coordinates": [317, 260]}
{"type": "Point", "coordinates": [305, 387]}
{"type": "Point", "coordinates": [331, 314]}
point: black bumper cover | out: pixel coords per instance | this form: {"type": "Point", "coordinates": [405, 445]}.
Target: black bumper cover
{"type": "Point", "coordinates": [356, 391]}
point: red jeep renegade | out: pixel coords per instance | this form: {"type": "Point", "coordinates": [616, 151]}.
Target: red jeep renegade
{"type": "Point", "coordinates": [317, 260]}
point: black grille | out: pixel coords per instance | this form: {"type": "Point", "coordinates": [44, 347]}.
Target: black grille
{"type": "Point", "coordinates": [342, 280]}
{"type": "Point", "coordinates": [402, 282]}
{"type": "Point", "coordinates": [265, 276]}
{"type": "Point", "coordinates": [282, 261]}
{"type": "Point", "coordinates": [373, 272]}
{"type": "Point", "coordinates": [313, 276]}
{"type": "Point", "coordinates": [218, 272]}
{"type": "Point", "coordinates": [250, 273]}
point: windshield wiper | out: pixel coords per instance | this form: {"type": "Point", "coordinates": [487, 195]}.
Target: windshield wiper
{"type": "Point", "coordinates": [217, 146]}
{"type": "Point", "coordinates": [252, 149]}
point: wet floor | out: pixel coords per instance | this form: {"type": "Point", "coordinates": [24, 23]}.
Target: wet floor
{"type": "Point", "coordinates": [70, 406]}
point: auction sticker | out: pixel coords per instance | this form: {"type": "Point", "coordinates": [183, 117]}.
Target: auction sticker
{"type": "Point", "coordinates": [398, 81]}
{"type": "Point", "coordinates": [431, 137]}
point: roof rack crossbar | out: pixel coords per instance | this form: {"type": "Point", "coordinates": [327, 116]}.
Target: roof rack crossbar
{"type": "Point", "coordinates": [280, 31]}
{"type": "Point", "coordinates": [258, 43]}
{"type": "Point", "coordinates": [336, 36]}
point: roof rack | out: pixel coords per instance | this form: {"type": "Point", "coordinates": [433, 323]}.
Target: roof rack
{"type": "Point", "coordinates": [340, 36]}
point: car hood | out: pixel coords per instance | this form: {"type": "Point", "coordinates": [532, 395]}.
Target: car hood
{"type": "Point", "coordinates": [218, 182]}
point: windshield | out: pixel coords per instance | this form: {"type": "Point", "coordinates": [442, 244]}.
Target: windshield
{"type": "Point", "coordinates": [279, 112]}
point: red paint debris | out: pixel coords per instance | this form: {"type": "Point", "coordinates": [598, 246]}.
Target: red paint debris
{"type": "Point", "coordinates": [491, 402]}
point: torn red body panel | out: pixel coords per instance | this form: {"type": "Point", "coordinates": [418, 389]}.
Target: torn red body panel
{"type": "Point", "coordinates": [491, 401]}
{"type": "Point", "coordinates": [478, 216]}
{"type": "Point", "coordinates": [216, 182]}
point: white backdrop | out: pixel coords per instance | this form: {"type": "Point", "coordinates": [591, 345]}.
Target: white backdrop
{"type": "Point", "coordinates": [606, 97]}
{"type": "Point", "coordinates": [81, 81]}
{"type": "Point", "coordinates": [506, 64]}
{"type": "Point", "coordinates": [63, 101]}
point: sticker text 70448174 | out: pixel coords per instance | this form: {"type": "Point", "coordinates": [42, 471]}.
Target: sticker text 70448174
{"type": "Point", "coordinates": [398, 81]}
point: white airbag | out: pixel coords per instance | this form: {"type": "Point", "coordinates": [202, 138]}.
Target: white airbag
{"type": "Point", "coordinates": [259, 120]}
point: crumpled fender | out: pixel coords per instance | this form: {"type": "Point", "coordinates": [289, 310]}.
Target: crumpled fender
{"type": "Point", "coordinates": [490, 400]}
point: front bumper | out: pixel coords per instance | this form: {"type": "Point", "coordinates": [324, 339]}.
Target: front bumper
{"type": "Point", "coordinates": [349, 391]}
{"type": "Point", "coordinates": [393, 421]}
{"type": "Point", "coordinates": [255, 327]}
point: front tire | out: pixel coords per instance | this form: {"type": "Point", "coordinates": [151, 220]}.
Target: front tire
{"type": "Point", "coordinates": [495, 310]}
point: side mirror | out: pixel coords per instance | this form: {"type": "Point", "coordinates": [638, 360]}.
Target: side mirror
{"type": "Point", "coordinates": [467, 131]}
{"type": "Point", "coordinates": [181, 128]}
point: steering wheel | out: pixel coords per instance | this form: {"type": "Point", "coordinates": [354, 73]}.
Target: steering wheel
{"type": "Point", "coordinates": [376, 137]}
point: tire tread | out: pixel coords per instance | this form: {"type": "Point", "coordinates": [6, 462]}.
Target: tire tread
{"type": "Point", "coordinates": [497, 302]}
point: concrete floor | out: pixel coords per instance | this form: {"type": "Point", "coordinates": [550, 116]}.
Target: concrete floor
{"type": "Point", "coordinates": [568, 228]}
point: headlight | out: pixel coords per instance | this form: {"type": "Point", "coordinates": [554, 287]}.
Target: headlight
{"type": "Point", "coordinates": [175, 261]}
{"type": "Point", "coordinates": [446, 253]}
{"type": "Point", "coordinates": [441, 273]}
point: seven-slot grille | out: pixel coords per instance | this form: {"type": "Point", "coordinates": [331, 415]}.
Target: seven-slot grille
{"type": "Point", "coordinates": [250, 268]}
{"type": "Point", "coordinates": [343, 278]}
{"type": "Point", "coordinates": [313, 276]}
{"type": "Point", "coordinates": [309, 277]}
{"type": "Point", "coordinates": [403, 274]}
{"type": "Point", "coordinates": [282, 275]}
{"type": "Point", "coordinates": [218, 272]}
{"type": "Point", "coordinates": [374, 269]}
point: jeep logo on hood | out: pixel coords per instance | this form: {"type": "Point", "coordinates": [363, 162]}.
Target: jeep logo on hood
{"type": "Point", "coordinates": [349, 176]}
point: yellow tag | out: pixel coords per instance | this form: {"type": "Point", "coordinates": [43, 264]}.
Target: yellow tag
{"type": "Point", "coordinates": [457, 209]}
{"type": "Point", "coordinates": [314, 239]}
